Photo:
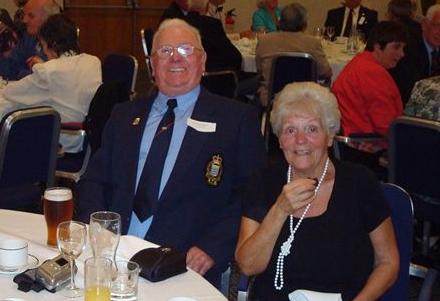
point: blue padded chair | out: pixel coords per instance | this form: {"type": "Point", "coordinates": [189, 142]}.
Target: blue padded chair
{"type": "Point", "coordinates": [120, 68]}
{"type": "Point", "coordinates": [222, 82]}
{"type": "Point", "coordinates": [401, 207]}
{"type": "Point", "coordinates": [28, 152]}
{"type": "Point", "coordinates": [286, 67]}
{"type": "Point", "coordinates": [414, 164]}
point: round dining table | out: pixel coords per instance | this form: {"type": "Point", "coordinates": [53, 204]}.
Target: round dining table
{"type": "Point", "coordinates": [32, 228]}
{"type": "Point", "coordinates": [336, 54]}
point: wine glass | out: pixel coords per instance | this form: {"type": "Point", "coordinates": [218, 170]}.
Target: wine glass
{"type": "Point", "coordinates": [330, 32]}
{"type": "Point", "coordinates": [71, 239]}
{"type": "Point", "coordinates": [104, 233]}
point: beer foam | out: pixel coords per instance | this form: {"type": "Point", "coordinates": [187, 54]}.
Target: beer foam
{"type": "Point", "coordinates": [58, 194]}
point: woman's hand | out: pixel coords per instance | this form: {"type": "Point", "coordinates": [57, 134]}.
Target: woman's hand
{"type": "Point", "coordinates": [296, 195]}
{"type": "Point", "coordinates": [33, 60]}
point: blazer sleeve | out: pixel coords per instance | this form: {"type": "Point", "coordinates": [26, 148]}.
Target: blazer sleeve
{"type": "Point", "coordinates": [95, 186]}
{"type": "Point", "coordinates": [220, 237]}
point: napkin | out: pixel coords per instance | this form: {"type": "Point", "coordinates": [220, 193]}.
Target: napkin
{"type": "Point", "coordinates": [306, 295]}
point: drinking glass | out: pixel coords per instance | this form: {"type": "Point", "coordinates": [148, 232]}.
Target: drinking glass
{"type": "Point", "coordinates": [318, 32]}
{"type": "Point", "coordinates": [71, 238]}
{"type": "Point", "coordinates": [124, 285]}
{"type": "Point", "coordinates": [104, 233]}
{"type": "Point", "coordinates": [97, 279]}
{"type": "Point", "coordinates": [58, 207]}
{"type": "Point", "coordinates": [330, 32]}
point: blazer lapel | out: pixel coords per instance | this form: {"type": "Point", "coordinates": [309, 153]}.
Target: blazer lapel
{"type": "Point", "coordinates": [191, 145]}
{"type": "Point", "coordinates": [138, 119]}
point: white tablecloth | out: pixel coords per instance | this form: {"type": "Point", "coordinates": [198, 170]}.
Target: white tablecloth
{"type": "Point", "coordinates": [336, 55]}
{"type": "Point", "coordinates": [32, 228]}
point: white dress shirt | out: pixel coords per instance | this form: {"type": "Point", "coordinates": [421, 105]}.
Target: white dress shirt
{"type": "Point", "coordinates": [354, 19]}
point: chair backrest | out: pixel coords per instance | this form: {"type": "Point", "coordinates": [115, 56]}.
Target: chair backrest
{"type": "Point", "coordinates": [101, 106]}
{"type": "Point", "coordinates": [414, 156]}
{"type": "Point", "coordinates": [120, 68]}
{"type": "Point", "coordinates": [401, 207]}
{"type": "Point", "coordinates": [147, 43]}
{"type": "Point", "coordinates": [224, 82]}
{"type": "Point", "coordinates": [29, 146]}
{"type": "Point", "coordinates": [288, 67]}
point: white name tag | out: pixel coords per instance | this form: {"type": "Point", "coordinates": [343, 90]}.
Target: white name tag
{"type": "Point", "coordinates": [202, 126]}
{"type": "Point", "coordinates": [361, 20]}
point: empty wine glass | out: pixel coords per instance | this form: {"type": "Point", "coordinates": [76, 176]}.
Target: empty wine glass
{"type": "Point", "coordinates": [104, 234]}
{"type": "Point", "coordinates": [71, 239]}
{"type": "Point", "coordinates": [330, 32]}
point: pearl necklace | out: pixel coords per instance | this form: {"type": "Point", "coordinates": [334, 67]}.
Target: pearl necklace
{"type": "Point", "coordinates": [286, 246]}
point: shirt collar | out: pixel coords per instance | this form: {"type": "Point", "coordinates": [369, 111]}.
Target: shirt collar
{"type": "Point", "coordinates": [184, 101]}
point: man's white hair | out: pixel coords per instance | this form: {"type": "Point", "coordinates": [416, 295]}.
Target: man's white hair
{"type": "Point", "coordinates": [168, 23]}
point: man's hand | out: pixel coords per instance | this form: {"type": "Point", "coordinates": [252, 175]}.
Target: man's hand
{"type": "Point", "coordinates": [198, 260]}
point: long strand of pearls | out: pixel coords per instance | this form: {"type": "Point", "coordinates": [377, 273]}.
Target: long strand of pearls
{"type": "Point", "coordinates": [286, 246]}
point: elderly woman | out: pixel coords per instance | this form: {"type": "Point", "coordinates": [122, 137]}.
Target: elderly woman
{"type": "Point", "coordinates": [319, 224]}
{"type": "Point", "coordinates": [67, 81]}
{"type": "Point", "coordinates": [265, 18]}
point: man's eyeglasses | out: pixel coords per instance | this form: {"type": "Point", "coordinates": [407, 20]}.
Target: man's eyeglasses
{"type": "Point", "coordinates": [166, 51]}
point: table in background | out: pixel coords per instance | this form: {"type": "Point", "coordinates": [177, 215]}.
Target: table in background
{"type": "Point", "coordinates": [335, 52]}
{"type": "Point", "coordinates": [32, 227]}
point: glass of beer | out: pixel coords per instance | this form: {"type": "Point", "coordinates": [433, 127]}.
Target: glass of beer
{"type": "Point", "coordinates": [58, 207]}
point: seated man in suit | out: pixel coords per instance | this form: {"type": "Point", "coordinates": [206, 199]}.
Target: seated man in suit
{"type": "Point", "coordinates": [26, 53]}
{"type": "Point", "coordinates": [291, 38]}
{"type": "Point", "coordinates": [351, 15]}
{"type": "Point", "coordinates": [422, 59]}
{"type": "Point", "coordinates": [173, 165]}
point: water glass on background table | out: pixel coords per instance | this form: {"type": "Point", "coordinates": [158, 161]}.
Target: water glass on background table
{"type": "Point", "coordinates": [104, 233]}
{"type": "Point", "coordinates": [330, 32]}
{"type": "Point", "coordinates": [97, 279]}
{"type": "Point", "coordinates": [71, 238]}
{"type": "Point", "coordinates": [125, 281]}
{"type": "Point", "coordinates": [58, 207]}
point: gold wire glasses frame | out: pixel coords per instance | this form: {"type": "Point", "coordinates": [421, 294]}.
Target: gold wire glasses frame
{"type": "Point", "coordinates": [166, 51]}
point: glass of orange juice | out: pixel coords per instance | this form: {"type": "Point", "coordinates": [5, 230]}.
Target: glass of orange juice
{"type": "Point", "coordinates": [97, 279]}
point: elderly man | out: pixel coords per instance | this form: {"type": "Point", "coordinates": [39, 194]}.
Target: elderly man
{"type": "Point", "coordinates": [423, 59]}
{"type": "Point", "coordinates": [291, 38]}
{"type": "Point", "coordinates": [351, 15]}
{"type": "Point", "coordinates": [173, 165]}
{"type": "Point", "coordinates": [26, 53]}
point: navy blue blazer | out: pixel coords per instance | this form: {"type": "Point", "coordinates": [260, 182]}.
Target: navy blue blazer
{"type": "Point", "coordinates": [335, 18]}
{"type": "Point", "coordinates": [189, 212]}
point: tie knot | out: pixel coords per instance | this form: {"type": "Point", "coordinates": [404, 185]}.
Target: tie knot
{"type": "Point", "coordinates": [172, 103]}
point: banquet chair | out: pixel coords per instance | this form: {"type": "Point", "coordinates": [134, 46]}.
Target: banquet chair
{"type": "Point", "coordinates": [120, 68]}
{"type": "Point", "coordinates": [414, 161]}
{"type": "Point", "coordinates": [401, 207]}
{"type": "Point", "coordinates": [28, 152]}
{"type": "Point", "coordinates": [223, 82]}
{"type": "Point", "coordinates": [286, 67]}
{"type": "Point", "coordinates": [72, 165]}
{"type": "Point", "coordinates": [147, 43]}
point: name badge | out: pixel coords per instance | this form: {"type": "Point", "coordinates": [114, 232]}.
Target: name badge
{"type": "Point", "coordinates": [202, 126]}
{"type": "Point", "coordinates": [361, 20]}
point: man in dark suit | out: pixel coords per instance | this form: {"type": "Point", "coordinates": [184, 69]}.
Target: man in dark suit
{"type": "Point", "coordinates": [351, 15]}
{"type": "Point", "coordinates": [422, 57]}
{"type": "Point", "coordinates": [214, 146]}
{"type": "Point", "coordinates": [176, 9]}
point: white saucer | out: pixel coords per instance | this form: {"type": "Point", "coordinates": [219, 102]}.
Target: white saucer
{"type": "Point", "coordinates": [32, 263]}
